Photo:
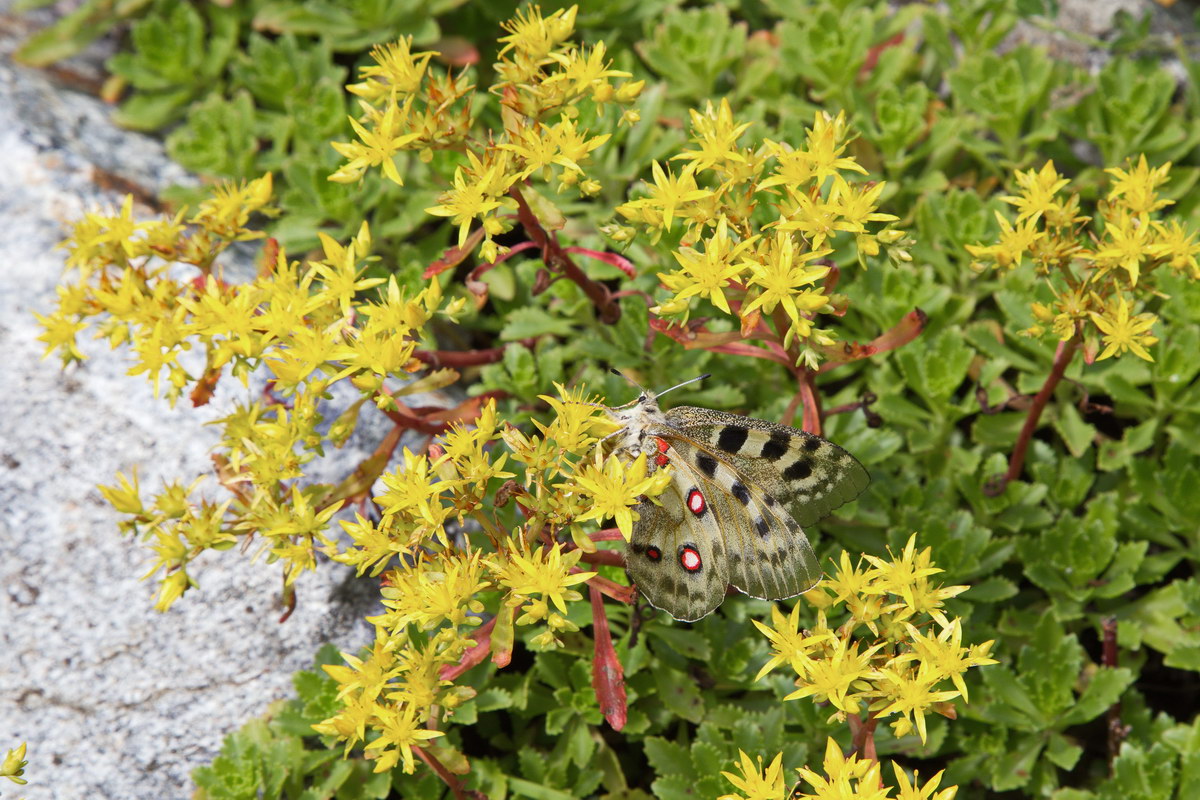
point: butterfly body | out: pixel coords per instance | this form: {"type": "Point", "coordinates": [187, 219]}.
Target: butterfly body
{"type": "Point", "coordinates": [740, 491]}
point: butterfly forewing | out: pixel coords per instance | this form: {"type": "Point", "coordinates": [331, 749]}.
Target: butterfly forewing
{"type": "Point", "coordinates": [677, 556]}
{"type": "Point", "coordinates": [767, 553]}
{"type": "Point", "coordinates": [808, 475]}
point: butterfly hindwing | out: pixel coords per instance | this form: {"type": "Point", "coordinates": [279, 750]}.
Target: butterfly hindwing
{"type": "Point", "coordinates": [677, 556]}
{"type": "Point", "coordinates": [767, 553]}
{"type": "Point", "coordinates": [808, 475]}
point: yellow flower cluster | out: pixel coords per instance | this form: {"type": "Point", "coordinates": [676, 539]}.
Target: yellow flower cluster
{"type": "Point", "coordinates": [1099, 269]}
{"type": "Point", "coordinates": [542, 81]}
{"type": "Point", "coordinates": [159, 286]}
{"type": "Point", "coordinates": [845, 778]}
{"type": "Point", "coordinates": [879, 657]}
{"type": "Point", "coordinates": [759, 223]}
{"type": "Point", "coordinates": [434, 598]}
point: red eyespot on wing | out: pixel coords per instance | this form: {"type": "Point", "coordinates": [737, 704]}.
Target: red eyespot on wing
{"type": "Point", "coordinates": [653, 553]}
{"type": "Point", "coordinates": [662, 445]}
{"type": "Point", "coordinates": [695, 502]}
{"type": "Point", "coordinates": [689, 558]}
{"type": "Point", "coordinates": [661, 460]}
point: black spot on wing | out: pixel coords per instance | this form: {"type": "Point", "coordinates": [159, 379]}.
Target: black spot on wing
{"type": "Point", "coordinates": [740, 492]}
{"type": "Point", "coordinates": [812, 443]}
{"type": "Point", "coordinates": [732, 437]}
{"type": "Point", "coordinates": [798, 471]}
{"type": "Point", "coordinates": [774, 448]}
{"type": "Point", "coordinates": [762, 527]}
{"type": "Point", "coordinates": [707, 465]}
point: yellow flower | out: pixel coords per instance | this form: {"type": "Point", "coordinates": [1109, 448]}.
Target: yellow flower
{"type": "Point", "coordinates": [907, 577]}
{"type": "Point", "coordinates": [613, 490]}
{"type": "Point", "coordinates": [666, 195]}
{"type": "Point", "coordinates": [909, 790]}
{"type": "Point", "coordinates": [781, 273]}
{"type": "Point", "coordinates": [1135, 187]}
{"type": "Point", "coordinates": [706, 273]}
{"type": "Point", "coordinates": [583, 74]}
{"type": "Point", "coordinates": [397, 71]}
{"type": "Point", "coordinates": [789, 644]}
{"type": "Point", "coordinates": [476, 191]}
{"type": "Point", "coordinates": [850, 778]}
{"type": "Point", "coordinates": [399, 732]}
{"type": "Point", "coordinates": [13, 766]}
{"type": "Point", "coordinates": [1178, 247]}
{"type": "Point", "coordinates": [535, 36]}
{"type": "Point", "coordinates": [716, 135]}
{"type": "Point", "coordinates": [1127, 240]}
{"type": "Point", "coordinates": [945, 656]}
{"type": "Point", "coordinates": [1120, 333]}
{"type": "Point", "coordinates": [434, 591]}
{"type": "Point", "coordinates": [833, 674]}
{"type": "Point", "coordinates": [755, 783]}
{"type": "Point", "coordinates": [377, 145]}
{"type": "Point", "coordinates": [1038, 192]}
{"type": "Point", "coordinates": [227, 211]}
{"type": "Point", "coordinates": [911, 694]}
{"type": "Point", "coordinates": [545, 572]}
{"type": "Point", "coordinates": [365, 679]}
{"type": "Point", "coordinates": [1014, 243]}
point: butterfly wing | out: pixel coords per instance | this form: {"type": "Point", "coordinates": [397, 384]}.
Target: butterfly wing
{"type": "Point", "coordinates": [808, 475]}
{"type": "Point", "coordinates": [676, 556]}
{"type": "Point", "coordinates": [767, 553]}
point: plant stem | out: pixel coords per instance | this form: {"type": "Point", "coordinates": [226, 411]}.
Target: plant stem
{"type": "Point", "coordinates": [863, 731]}
{"type": "Point", "coordinates": [557, 259]}
{"type": "Point", "coordinates": [1016, 463]}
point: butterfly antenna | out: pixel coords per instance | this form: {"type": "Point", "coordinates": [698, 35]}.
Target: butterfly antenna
{"type": "Point", "coordinates": [685, 383]}
{"type": "Point", "coordinates": [628, 379]}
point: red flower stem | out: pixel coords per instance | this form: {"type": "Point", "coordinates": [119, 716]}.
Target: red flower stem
{"type": "Point", "coordinates": [474, 654]}
{"type": "Point", "coordinates": [608, 676]}
{"type": "Point", "coordinates": [1116, 731]}
{"type": "Point", "coordinates": [607, 558]}
{"type": "Point", "coordinates": [559, 260]}
{"type": "Point", "coordinates": [606, 535]}
{"type": "Point", "coordinates": [1016, 463]}
{"type": "Point", "coordinates": [864, 735]}
{"type": "Point", "coordinates": [466, 358]}
{"type": "Point", "coordinates": [622, 594]}
{"type": "Point", "coordinates": [812, 403]}
{"type": "Point", "coordinates": [454, 783]}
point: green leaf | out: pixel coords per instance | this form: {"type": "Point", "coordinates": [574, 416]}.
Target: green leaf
{"type": "Point", "coordinates": [679, 694]}
{"type": "Point", "coordinates": [667, 758]}
{"type": "Point", "coordinates": [1077, 434]}
{"type": "Point", "coordinates": [675, 787]}
{"type": "Point", "coordinates": [1103, 690]}
{"type": "Point", "coordinates": [72, 33]}
{"type": "Point", "coordinates": [1140, 774]}
{"type": "Point", "coordinates": [537, 791]}
{"type": "Point", "coordinates": [689, 641]}
{"type": "Point", "coordinates": [529, 322]}
{"type": "Point", "coordinates": [1062, 752]}
{"type": "Point", "coordinates": [1049, 667]}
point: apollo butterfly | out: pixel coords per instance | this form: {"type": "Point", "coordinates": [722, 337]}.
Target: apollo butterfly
{"type": "Point", "coordinates": [741, 489]}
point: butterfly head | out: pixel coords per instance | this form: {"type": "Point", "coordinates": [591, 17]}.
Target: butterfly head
{"type": "Point", "coordinates": [637, 417]}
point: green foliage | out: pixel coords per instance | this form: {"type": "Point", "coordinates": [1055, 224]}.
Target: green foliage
{"type": "Point", "coordinates": [278, 756]}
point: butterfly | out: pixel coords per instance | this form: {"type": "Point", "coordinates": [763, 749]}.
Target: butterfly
{"type": "Point", "coordinates": [741, 490]}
